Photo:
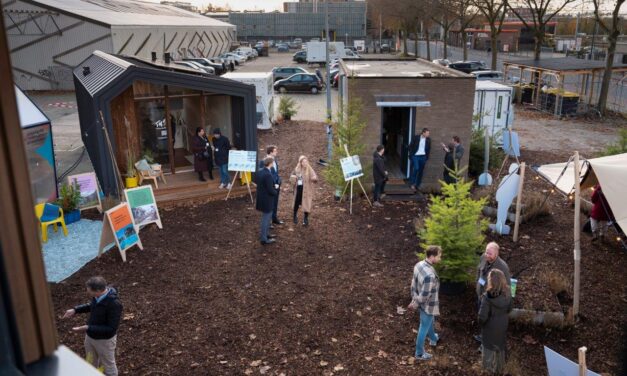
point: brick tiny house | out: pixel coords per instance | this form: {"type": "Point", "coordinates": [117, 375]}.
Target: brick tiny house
{"type": "Point", "coordinates": [399, 98]}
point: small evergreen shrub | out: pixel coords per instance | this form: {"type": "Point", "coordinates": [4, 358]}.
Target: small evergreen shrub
{"type": "Point", "coordinates": [287, 107]}
{"type": "Point", "coordinates": [69, 197]}
{"type": "Point", "coordinates": [477, 150]}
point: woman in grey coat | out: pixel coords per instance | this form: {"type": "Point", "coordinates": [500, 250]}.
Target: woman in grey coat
{"type": "Point", "coordinates": [496, 303]}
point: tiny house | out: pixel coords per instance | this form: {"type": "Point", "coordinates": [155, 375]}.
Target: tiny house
{"type": "Point", "coordinates": [262, 81]}
{"type": "Point", "coordinates": [493, 107]}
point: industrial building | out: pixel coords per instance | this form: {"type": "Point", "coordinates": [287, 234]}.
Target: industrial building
{"type": "Point", "coordinates": [347, 20]}
{"type": "Point", "coordinates": [48, 38]}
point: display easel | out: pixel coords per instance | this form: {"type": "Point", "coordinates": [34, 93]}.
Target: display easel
{"type": "Point", "coordinates": [350, 183]}
{"type": "Point", "coordinates": [247, 185]}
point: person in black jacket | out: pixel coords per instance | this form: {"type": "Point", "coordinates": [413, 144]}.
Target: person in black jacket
{"type": "Point", "coordinates": [379, 173]}
{"type": "Point", "coordinates": [272, 151]}
{"type": "Point", "coordinates": [221, 147]}
{"type": "Point", "coordinates": [265, 199]}
{"type": "Point", "coordinates": [203, 160]}
{"type": "Point", "coordinates": [452, 159]}
{"type": "Point", "coordinates": [102, 326]}
{"type": "Point", "coordinates": [496, 304]}
{"type": "Point", "coordinates": [419, 150]}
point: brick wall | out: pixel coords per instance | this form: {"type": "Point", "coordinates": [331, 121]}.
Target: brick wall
{"type": "Point", "coordinates": [450, 114]}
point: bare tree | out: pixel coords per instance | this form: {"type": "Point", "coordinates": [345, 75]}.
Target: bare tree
{"type": "Point", "coordinates": [613, 31]}
{"type": "Point", "coordinates": [466, 14]}
{"type": "Point", "coordinates": [494, 13]}
{"type": "Point", "coordinates": [542, 12]}
{"type": "Point", "coordinates": [445, 16]}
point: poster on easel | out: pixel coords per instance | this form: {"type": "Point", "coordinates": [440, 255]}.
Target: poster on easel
{"type": "Point", "coordinates": [118, 227]}
{"type": "Point", "coordinates": [351, 167]}
{"type": "Point", "coordinates": [242, 161]}
{"type": "Point", "coordinates": [88, 186]}
{"type": "Point", "coordinates": [143, 206]}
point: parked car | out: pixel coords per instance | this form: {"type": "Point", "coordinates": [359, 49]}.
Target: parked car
{"type": "Point", "coordinates": [196, 66]}
{"type": "Point", "coordinates": [220, 68]}
{"type": "Point", "coordinates": [279, 73]}
{"type": "Point", "coordinates": [304, 82]}
{"type": "Point", "coordinates": [282, 47]}
{"type": "Point", "coordinates": [385, 47]}
{"type": "Point", "coordinates": [350, 55]}
{"type": "Point", "coordinates": [443, 62]}
{"type": "Point", "coordinates": [488, 75]}
{"type": "Point", "coordinates": [352, 48]}
{"type": "Point", "coordinates": [300, 57]}
{"type": "Point", "coordinates": [468, 66]}
{"type": "Point", "coordinates": [229, 56]}
{"type": "Point", "coordinates": [335, 81]}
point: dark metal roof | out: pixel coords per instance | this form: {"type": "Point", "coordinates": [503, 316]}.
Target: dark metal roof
{"type": "Point", "coordinates": [103, 68]}
{"type": "Point", "coordinates": [399, 98]}
{"type": "Point", "coordinates": [564, 64]}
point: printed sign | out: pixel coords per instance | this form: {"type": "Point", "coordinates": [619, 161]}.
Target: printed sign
{"type": "Point", "coordinates": [351, 167]}
{"type": "Point", "coordinates": [143, 206]}
{"type": "Point", "coordinates": [118, 227]}
{"type": "Point", "coordinates": [88, 186]}
{"type": "Point", "coordinates": [242, 160]}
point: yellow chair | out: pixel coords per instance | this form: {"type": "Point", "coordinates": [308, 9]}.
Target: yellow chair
{"type": "Point", "coordinates": [49, 214]}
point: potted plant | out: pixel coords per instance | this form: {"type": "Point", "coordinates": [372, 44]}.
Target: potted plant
{"type": "Point", "coordinates": [131, 175]}
{"type": "Point", "coordinates": [287, 108]}
{"type": "Point", "coordinates": [455, 224]}
{"type": "Point", "coordinates": [69, 200]}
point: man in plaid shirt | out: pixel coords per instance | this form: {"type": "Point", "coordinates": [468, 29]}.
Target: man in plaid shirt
{"type": "Point", "coordinates": [424, 295]}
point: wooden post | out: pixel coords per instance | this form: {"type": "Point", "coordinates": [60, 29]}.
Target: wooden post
{"type": "Point", "coordinates": [577, 234]}
{"type": "Point", "coordinates": [519, 200]}
{"type": "Point", "coordinates": [591, 88]}
{"type": "Point", "coordinates": [351, 202]}
{"type": "Point", "coordinates": [168, 127]}
{"type": "Point", "coordinates": [582, 361]}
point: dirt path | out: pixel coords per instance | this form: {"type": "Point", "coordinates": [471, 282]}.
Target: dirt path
{"type": "Point", "coordinates": [204, 298]}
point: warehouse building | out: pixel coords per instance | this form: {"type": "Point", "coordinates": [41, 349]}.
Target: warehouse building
{"type": "Point", "coordinates": [48, 38]}
{"type": "Point", "coordinates": [347, 19]}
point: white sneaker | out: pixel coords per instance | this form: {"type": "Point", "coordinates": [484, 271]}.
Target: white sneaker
{"type": "Point", "coordinates": [378, 204]}
{"type": "Point", "coordinates": [229, 186]}
{"type": "Point", "coordinates": [221, 186]}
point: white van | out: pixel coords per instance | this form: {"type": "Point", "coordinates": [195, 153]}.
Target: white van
{"type": "Point", "coordinates": [493, 108]}
{"type": "Point", "coordinates": [317, 52]}
{"type": "Point", "coordinates": [264, 92]}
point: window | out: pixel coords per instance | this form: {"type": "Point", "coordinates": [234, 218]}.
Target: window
{"type": "Point", "coordinates": [500, 105]}
{"type": "Point", "coordinates": [297, 78]}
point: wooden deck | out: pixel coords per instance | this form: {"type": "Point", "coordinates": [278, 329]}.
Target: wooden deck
{"type": "Point", "coordinates": [185, 188]}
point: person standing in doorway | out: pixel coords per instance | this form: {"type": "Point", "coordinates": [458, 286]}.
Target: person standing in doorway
{"type": "Point", "coordinates": [265, 200]}
{"type": "Point", "coordinates": [419, 150]}
{"type": "Point", "coordinates": [495, 305]}
{"type": "Point", "coordinates": [102, 326]}
{"type": "Point", "coordinates": [203, 159]}
{"type": "Point", "coordinates": [425, 286]}
{"type": "Point", "coordinates": [600, 213]}
{"type": "Point", "coordinates": [379, 173]}
{"type": "Point", "coordinates": [273, 151]}
{"type": "Point", "coordinates": [221, 147]}
{"type": "Point", "coordinates": [452, 159]}
{"type": "Point", "coordinates": [303, 178]}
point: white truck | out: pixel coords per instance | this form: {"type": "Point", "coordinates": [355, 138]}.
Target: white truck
{"type": "Point", "coordinates": [264, 92]}
{"type": "Point", "coordinates": [316, 52]}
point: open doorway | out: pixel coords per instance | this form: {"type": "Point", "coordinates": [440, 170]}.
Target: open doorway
{"type": "Point", "coordinates": [397, 128]}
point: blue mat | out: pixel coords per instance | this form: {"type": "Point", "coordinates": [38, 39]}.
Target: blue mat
{"type": "Point", "coordinates": [65, 255]}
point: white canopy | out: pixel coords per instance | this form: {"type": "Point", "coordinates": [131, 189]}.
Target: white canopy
{"type": "Point", "coordinates": [610, 172]}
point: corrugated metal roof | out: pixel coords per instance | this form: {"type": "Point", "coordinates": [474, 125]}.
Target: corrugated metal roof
{"type": "Point", "coordinates": [103, 69]}
{"type": "Point", "coordinates": [564, 64]}
{"type": "Point", "coordinates": [131, 13]}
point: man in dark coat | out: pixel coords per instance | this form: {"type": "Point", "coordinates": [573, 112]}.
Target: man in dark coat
{"type": "Point", "coordinates": [102, 326]}
{"type": "Point", "coordinates": [265, 199]}
{"type": "Point", "coordinates": [273, 151]}
{"type": "Point", "coordinates": [419, 150]}
{"type": "Point", "coordinates": [221, 147]}
{"type": "Point", "coordinates": [452, 159]}
{"type": "Point", "coordinates": [379, 173]}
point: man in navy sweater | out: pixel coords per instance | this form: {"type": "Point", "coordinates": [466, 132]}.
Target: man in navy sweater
{"type": "Point", "coordinates": [266, 192]}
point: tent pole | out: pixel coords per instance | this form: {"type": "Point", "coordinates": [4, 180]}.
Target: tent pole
{"type": "Point", "coordinates": [577, 234]}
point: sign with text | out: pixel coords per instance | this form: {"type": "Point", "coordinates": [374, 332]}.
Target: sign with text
{"type": "Point", "coordinates": [88, 186]}
{"type": "Point", "coordinates": [118, 227]}
{"type": "Point", "coordinates": [242, 160]}
{"type": "Point", "coordinates": [351, 167]}
{"type": "Point", "coordinates": [143, 206]}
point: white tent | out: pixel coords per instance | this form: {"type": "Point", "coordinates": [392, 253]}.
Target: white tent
{"type": "Point", "coordinates": [610, 172]}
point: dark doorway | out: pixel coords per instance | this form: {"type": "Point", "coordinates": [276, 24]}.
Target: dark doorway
{"type": "Point", "coordinates": [397, 127]}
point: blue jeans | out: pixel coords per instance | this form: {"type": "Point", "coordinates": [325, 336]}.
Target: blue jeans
{"type": "Point", "coordinates": [224, 174]}
{"type": "Point", "coordinates": [418, 166]}
{"type": "Point", "coordinates": [426, 329]}
{"type": "Point", "coordinates": [266, 221]}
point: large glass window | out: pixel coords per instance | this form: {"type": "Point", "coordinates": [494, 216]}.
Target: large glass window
{"type": "Point", "coordinates": [153, 130]}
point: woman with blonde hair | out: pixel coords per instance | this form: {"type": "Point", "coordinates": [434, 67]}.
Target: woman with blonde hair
{"type": "Point", "coordinates": [303, 178]}
{"type": "Point", "coordinates": [496, 303]}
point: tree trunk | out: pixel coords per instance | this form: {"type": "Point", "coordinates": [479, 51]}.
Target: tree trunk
{"type": "Point", "coordinates": [538, 39]}
{"type": "Point", "coordinates": [428, 44]}
{"type": "Point", "coordinates": [529, 317]}
{"type": "Point", "coordinates": [465, 43]}
{"type": "Point", "coordinates": [607, 74]}
{"type": "Point", "coordinates": [404, 32]}
{"type": "Point", "coordinates": [417, 54]}
{"type": "Point", "coordinates": [493, 45]}
{"type": "Point", "coordinates": [445, 41]}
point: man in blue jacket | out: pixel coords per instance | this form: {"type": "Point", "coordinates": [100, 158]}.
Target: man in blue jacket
{"type": "Point", "coordinates": [266, 193]}
{"type": "Point", "coordinates": [221, 147]}
{"type": "Point", "coordinates": [102, 326]}
{"type": "Point", "coordinates": [273, 151]}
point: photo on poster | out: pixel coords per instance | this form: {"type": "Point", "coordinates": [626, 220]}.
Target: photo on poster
{"type": "Point", "coordinates": [143, 205]}
{"type": "Point", "coordinates": [123, 227]}
{"type": "Point", "coordinates": [351, 167]}
{"type": "Point", "coordinates": [88, 186]}
{"type": "Point", "coordinates": [126, 236]}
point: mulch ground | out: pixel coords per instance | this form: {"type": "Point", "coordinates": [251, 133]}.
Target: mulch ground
{"type": "Point", "coordinates": [204, 298]}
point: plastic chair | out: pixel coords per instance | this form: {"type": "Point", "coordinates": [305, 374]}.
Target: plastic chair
{"type": "Point", "coordinates": [149, 171]}
{"type": "Point", "coordinates": [49, 214]}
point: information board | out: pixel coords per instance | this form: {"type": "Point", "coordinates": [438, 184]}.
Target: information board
{"type": "Point", "coordinates": [88, 186]}
{"type": "Point", "coordinates": [143, 206]}
{"type": "Point", "coordinates": [242, 160]}
{"type": "Point", "coordinates": [118, 227]}
{"type": "Point", "coordinates": [351, 167]}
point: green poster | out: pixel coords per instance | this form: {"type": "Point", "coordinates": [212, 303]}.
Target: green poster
{"type": "Point", "coordinates": [140, 197]}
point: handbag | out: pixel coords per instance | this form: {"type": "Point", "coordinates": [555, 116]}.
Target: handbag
{"type": "Point", "coordinates": [205, 154]}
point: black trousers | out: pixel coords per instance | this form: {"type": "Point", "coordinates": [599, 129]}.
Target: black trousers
{"type": "Point", "coordinates": [276, 205]}
{"type": "Point", "coordinates": [299, 197]}
{"type": "Point", "coordinates": [378, 190]}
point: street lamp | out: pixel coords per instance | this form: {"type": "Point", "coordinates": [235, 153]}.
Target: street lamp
{"type": "Point", "coordinates": [346, 44]}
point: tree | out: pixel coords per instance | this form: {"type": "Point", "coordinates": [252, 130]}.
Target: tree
{"type": "Point", "coordinates": [494, 13]}
{"type": "Point", "coordinates": [446, 17]}
{"type": "Point", "coordinates": [455, 224]}
{"type": "Point", "coordinates": [542, 11]}
{"type": "Point", "coordinates": [613, 31]}
{"type": "Point", "coordinates": [466, 14]}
